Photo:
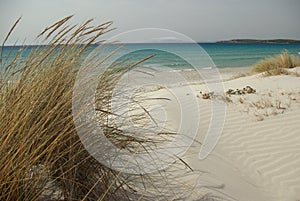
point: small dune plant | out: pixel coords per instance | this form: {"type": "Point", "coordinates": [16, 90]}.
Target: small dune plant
{"type": "Point", "coordinates": [277, 65]}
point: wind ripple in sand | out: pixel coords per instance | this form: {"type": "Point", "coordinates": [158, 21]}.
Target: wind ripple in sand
{"type": "Point", "coordinates": [267, 152]}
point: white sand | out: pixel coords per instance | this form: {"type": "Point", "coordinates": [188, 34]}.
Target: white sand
{"type": "Point", "coordinates": [257, 157]}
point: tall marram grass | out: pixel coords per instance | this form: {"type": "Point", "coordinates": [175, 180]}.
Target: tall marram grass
{"type": "Point", "coordinates": [41, 155]}
{"type": "Point", "coordinates": [277, 65]}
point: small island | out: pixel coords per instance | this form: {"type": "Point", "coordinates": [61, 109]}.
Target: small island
{"type": "Point", "coordinates": [271, 41]}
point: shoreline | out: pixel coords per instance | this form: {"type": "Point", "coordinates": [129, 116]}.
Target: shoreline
{"type": "Point", "coordinates": [189, 76]}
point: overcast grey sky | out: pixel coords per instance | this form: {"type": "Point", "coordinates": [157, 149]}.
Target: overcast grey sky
{"type": "Point", "coordinates": [202, 20]}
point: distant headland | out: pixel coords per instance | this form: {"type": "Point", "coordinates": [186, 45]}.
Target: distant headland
{"type": "Point", "coordinates": [272, 41]}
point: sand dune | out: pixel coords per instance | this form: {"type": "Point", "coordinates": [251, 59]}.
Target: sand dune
{"type": "Point", "coordinates": [258, 154]}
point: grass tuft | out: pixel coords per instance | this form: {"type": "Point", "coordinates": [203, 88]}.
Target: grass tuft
{"type": "Point", "coordinates": [41, 156]}
{"type": "Point", "coordinates": [277, 65]}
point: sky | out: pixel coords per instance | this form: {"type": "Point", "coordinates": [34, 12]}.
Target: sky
{"type": "Point", "coordinates": [201, 20]}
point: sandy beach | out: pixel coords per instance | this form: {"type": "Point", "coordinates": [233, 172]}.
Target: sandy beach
{"type": "Point", "coordinates": [150, 100]}
{"type": "Point", "coordinates": [258, 154]}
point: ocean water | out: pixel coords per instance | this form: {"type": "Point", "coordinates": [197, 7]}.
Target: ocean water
{"type": "Point", "coordinates": [181, 56]}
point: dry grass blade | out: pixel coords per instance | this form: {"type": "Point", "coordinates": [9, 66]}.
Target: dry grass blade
{"type": "Point", "coordinates": [61, 34]}
{"type": "Point", "coordinates": [54, 27]}
{"type": "Point", "coordinates": [6, 38]}
{"type": "Point", "coordinates": [10, 31]}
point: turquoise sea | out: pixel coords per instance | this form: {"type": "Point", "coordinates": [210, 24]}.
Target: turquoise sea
{"type": "Point", "coordinates": [177, 56]}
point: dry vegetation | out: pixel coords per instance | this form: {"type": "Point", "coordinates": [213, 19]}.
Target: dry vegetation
{"type": "Point", "coordinates": [277, 65]}
{"type": "Point", "coordinates": [41, 156]}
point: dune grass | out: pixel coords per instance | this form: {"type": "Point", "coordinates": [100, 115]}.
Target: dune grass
{"type": "Point", "coordinates": [41, 155]}
{"type": "Point", "coordinates": [277, 65]}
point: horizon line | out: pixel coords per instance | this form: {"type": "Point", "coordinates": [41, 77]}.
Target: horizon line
{"type": "Point", "coordinates": [233, 41]}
